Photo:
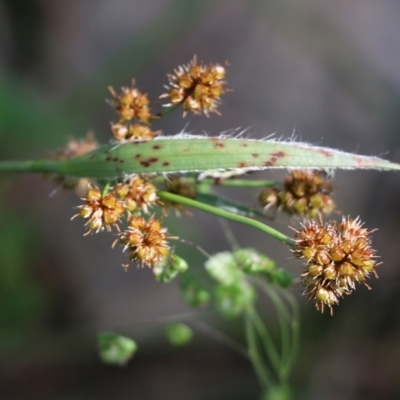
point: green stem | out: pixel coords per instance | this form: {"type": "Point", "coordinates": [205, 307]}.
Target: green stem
{"type": "Point", "coordinates": [227, 215]}
{"type": "Point", "coordinates": [106, 189]}
{"type": "Point", "coordinates": [164, 112]}
{"type": "Point", "coordinates": [290, 345]}
{"type": "Point", "coordinates": [295, 328]}
{"type": "Point", "coordinates": [266, 340]}
{"type": "Point", "coordinates": [243, 183]}
{"type": "Point", "coordinates": [284, 323]}
{"type": "Point", "coordinates": [29, 166]}
{"type": "Point", "coordinates": [262, 372]}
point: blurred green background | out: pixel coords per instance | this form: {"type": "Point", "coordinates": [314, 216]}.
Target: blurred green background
{"type": "Point", "coordinates": [327, 71]}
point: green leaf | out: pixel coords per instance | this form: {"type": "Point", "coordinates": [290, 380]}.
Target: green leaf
{"type": "Point", "coordinates": [194, 154]}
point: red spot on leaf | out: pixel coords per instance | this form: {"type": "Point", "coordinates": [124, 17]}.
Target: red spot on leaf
{"type": "Point", "coordinates": [278, 154]}
{"type": "Point", "coordinates": [325, 153]}
{"type": "Point", "coordinates": [148, 162]}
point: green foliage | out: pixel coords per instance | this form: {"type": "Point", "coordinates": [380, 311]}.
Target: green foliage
{"type": "Point", "coordinates": [115, 349]}
{"type": "Point", "coordinates": [178, 334]}
{"type": "Point", "coordinates": [233, 299]}
{"type": "Point", "coordinates": [169, 268]}
{"type": "Point", "coordinates": [193, 293]}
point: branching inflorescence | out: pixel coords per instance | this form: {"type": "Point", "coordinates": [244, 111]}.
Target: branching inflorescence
{"type": "Point", "coordinates": [337, 255]}
{"type": "Point", "coordinates": [141, 175]}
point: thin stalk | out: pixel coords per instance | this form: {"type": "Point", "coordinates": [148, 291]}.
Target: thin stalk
{"type": "Point", "coordinates": [266, 339]}
{"type": "Point", "coordinates": [221, 337]}
{"type": "Point", "coordinates": [290, 349]}
{"type": "Point", "coordinates": [284, 321]}
{"type": "Point", "coordinates": [295, 327]}
{"type": "Point", "coordinates": [229, 236]}
{"type": "Point", "coordinates": [242, 183]}
{"type": "Point", "coordinates": [106, 189]}
{"type": "Point", "coordinates": [227, 215]}
{"type": "Point", "coordinates": [261, 370]}
{"type": "Point", "coordinates": [164, 112]}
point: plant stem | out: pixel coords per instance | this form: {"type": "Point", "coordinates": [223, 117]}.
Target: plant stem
{"type": "Point", "coordinates": [284, 322]}
{"type": "Point", "coordinates": [227, 215]}
{"type": "Point", "coordinates": [258, 365]}
{"type": "Point", "coordinates": [164, 112]}
{"type": "Point", "coordinates": [243, 183]}
{"type": "Point", "coordinates": [290, 342]}
{"type": "Point", "coordinates": [29, 166]}
{"type": "Point", "coordinates": [266, 340]}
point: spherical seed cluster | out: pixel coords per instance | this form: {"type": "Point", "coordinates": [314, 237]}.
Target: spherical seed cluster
{"type": "Point", "coordinates": [137, 194]}
{"type": "Point", "coordinates": [337, 256]}
{"type": "Point", "coordinates": [73, 148]}
{"type": "Point", "coordinates": [134, 113]}
{"type": "Point", "coordinates": [305, 192]}
{"type": "Point", "coordinates": [197, 87]}
{"type": "Point", "coordinates": [131, 103]}
{"type": "Point", "coordinates": [181, 186]}
{"type": "Point", "coordinates": [145, 241]}
{"type": "Point", "coordinates": [76, 148]}
{"type": "Point", "coordinates": [101, 211]}
{"type": "Point", "coordinates": [123, 131]}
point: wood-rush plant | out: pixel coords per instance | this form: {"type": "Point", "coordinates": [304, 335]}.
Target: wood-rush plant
{"type": "Point", "coordinates": [125, 182]}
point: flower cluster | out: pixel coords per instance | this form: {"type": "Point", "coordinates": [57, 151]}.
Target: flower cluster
{"type": "Point", "coordinates": [145, 241]}
{"type": "Point", "coordinates": [131, 103]}
{"type": "Point", "coordinates": [73, 148]}
{"type": "Point", "coordinates": [337, 256]}
{"type": "Point", "coordinates": [197, 87]}
{"type": "Point", "coordinates": [305, 192]}
{"type": "Point", "coordinates": [137, 193]}
{"type": "Point", "coordinates": [178, 185]}
{"type": "Point", "coordinates": [133, 108]}
{"type": "Point", "coordinates": [101, 211]}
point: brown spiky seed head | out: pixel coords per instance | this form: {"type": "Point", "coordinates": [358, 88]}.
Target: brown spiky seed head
{"type": "Point", "coordinates": [145, 241]}
{"type": "Point", "coordinates": [137, 194]}
{"type": "Point", "coordinates": [100, 211]}
{"type": "Point", "coordinates": [337, 255]}
{"type": "Point", "coordinates": [125, 131]}
{"type": "Point", "coordinates": [305, 192]}
{"type": "Point", "coordinates": [181, 186]}
{"type": "Point", "coordinates": [197, 87]}
{"type": "Point", "coordinates": [131, 103]}
{"type": "Point", "coordinates": [73, 148]}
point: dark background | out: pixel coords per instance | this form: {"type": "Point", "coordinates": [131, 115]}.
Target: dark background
{"type": "Point", "coordinates": [328, 70]}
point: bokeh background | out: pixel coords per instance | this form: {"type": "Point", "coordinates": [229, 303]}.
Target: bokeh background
{"type": "Point", "coordinates": [328, 71]}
